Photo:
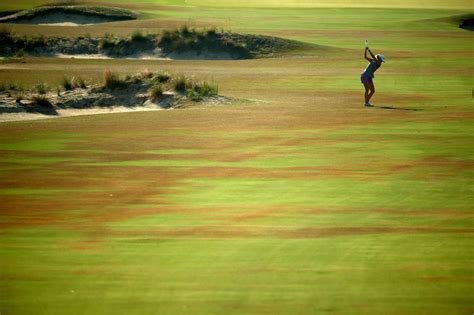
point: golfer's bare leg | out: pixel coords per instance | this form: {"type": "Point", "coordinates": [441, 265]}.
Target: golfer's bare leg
{"type": "Point", "coordinates": [367, 92]}
{"type": "Point", "coordinates": [371, 92]}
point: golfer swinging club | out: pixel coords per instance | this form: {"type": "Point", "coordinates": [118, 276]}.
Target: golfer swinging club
{"type": "Point", "coordinates": [367, 76]}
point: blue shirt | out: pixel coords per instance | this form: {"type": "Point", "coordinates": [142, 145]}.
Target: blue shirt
{"type": "Point", "coordinates": [371, 68]}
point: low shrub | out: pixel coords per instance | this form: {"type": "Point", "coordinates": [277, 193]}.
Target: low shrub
{"type": "Point", "coordinates": [113, 81]}
{"type": "Point", "coordinates": [9, 87]}
{"type": "Point", "coordinates": [156, 91]}
{"type": "Point", "coordinates": [193, 95]}
{"type": "Point", "coordinates": [137, 36]}
{"type": "Point", "coordinates": [32, 42]}
{"type": "Point", "coordinates": [20, 53]}
{"type": "Point", "coordinates": [206, 89]}
{"type": "Point", "coordinates": [197, 90]}
{"type": "Point", "coordinates": [67, 84]}
{"type": "Point", "coordinates": [41, 88]}
{"type": "Point", "coordinates": [136, 43]}
{"type": "Point", "coordinates": [146, 74]}
{"type": "Point", "coordinates": [79, 83]}
{"type": "Point", "coordinates": [161, 77]}
{"type": "Point", "coordinates": [181, 84]}
{"type": "Point", "coordinates": [6, 36]}
{"type": "Point", "coordinates": [184, 31]}
{"type": "Point", "coordinates": [42, 101]}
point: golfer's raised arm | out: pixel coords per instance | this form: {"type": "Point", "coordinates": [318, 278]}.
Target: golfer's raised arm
{"type": "Point", "coordinates": [365, 54]}
{"type": "Point", "coordinates": [373, 56]}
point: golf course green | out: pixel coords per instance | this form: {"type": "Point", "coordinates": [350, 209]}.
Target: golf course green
{"type": "Point", "coordinates": [292, 199]}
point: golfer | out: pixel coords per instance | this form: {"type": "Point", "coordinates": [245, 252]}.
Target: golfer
{"type": "Point", "coordinates": [368, 75]}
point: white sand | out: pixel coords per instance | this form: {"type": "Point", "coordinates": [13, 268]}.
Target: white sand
{"type": "Point", "coordinates": [102, 56]}
{"type": "Point", "coordinates": [7, 117]}
{"type": "Point", "coordinates": [64, 19]}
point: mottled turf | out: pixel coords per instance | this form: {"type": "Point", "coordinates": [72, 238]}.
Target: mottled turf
{"type": "Point", "coordinates": [296, 201]}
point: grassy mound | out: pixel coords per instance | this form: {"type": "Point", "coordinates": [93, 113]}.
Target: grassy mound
{"type": "Point", "coordinates": [106, 14]}
{"type": "Point", "coordinates": [12, 44]}
{"type": "Point", "coordinates": [181, 43]}
{"type": "Point", "coordinates": [155, 84]}
{"type": "Point", "coordinates": [235, 46]}
{"type": "Point", "coordinates": [136, 43]}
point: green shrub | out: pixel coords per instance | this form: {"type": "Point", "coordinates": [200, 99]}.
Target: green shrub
{"type": "Point", "coordinates": [193, 95]}
{"type": "Point", "coordinates": [156, 91]}
{"type": "Point", "coordinates": [206, 89]}
{"type": "Point", "coordinates": [197, 90]}
{"type": "Point", "coordinates": [161, 77]}
{"type": "Point", "coordinates": [67, 84]}
{"type": "Point", "coordinates": [181, 84]}
{"type": "Point", "coordinates": [136, 43]}
{"type": "Point", "coordinates": [41, 88]}
{"type": "Point", "coordinates": [42, 101]}
{"type": "Point", "coordinates": [9, 87]}
{"type": "Point", "coordinates": [6, 36]}
{"type": "Point", "coordinates": [184, 30]}
{"type": "Point", "coordinates": [137, 36]}
{"type": "Point", "coordinates": [20, 53]}
{"type": "Point", "coordinates": [28, 43]}
{"type": "Point", "coordinates": [79, 82]}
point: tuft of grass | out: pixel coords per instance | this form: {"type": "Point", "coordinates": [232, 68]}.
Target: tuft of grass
{"type": "Point", "coordinates": [136, 43]}
{"type": "Point", "coordinates": [156, 91]}
{"type": "Point", "coordinates": [194, 90]}
{"type": "Point", "coordinates": [67, 84]}
{"type": "Point", "coordinates": [184, 31]}
{"type": "Point", "coordinates": [42, 101]}
{"type": "Point", "coordinates": [181, 84]}
{"type": "Point", "coordinates": [20, 53]}
{"type": "Point", "coordinates": [146, 74]}
{"type": "Point", "coordinates": [42, 88]}
{"type": "Point", "coordinates": [137, 36]}
{"type": "Point", "coordinates": [31, 42]}
{"type": "Point", "coordinates": [161, 77]}
{"type": "Point", "coordinates": [197, 90]}
{"type": "Point", "coordinates": [9, 87]}
{"type": "Point", "coordinates": [79, 82]}
{"type": "Point", "coordinates": [113, 81]}
{"type": "Point", "coordinates": [206, 89]}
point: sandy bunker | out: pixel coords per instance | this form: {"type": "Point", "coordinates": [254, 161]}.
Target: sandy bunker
{"type": "Point", "coordinates": [69, 15]}
{"type": "Point", "coordinates": [66, 19]}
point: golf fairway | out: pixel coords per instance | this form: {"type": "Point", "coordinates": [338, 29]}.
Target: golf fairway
{"type": "Point", "coordinates": [294, 199]}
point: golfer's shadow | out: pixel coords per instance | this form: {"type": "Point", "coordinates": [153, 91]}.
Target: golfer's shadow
{"type": "Point", "coordinates": [397, 108]}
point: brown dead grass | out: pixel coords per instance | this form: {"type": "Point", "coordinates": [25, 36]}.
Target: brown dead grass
{"type": "Point", "coordinates": [232, 232]}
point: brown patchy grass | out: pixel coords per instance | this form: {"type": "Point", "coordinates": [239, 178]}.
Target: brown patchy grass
{"type": "Point", "coordinates": [231, 232]}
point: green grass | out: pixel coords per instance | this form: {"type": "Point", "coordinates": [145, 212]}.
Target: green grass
{"type": "Point", "coordinates": [300, 201]}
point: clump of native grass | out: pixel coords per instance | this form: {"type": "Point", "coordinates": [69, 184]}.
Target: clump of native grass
{"type": "Point", "coordinates": [41, 101]}
{"type": "Point", "coordinates": [114, 81]}
{"type": "Point", "coordinates": [193, 89]}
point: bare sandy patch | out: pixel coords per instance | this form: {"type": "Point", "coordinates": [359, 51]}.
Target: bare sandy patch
{"type": "Point", "coordinates": [102, 56]}
{"type": "Point", "coordinates": [76, 112]}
